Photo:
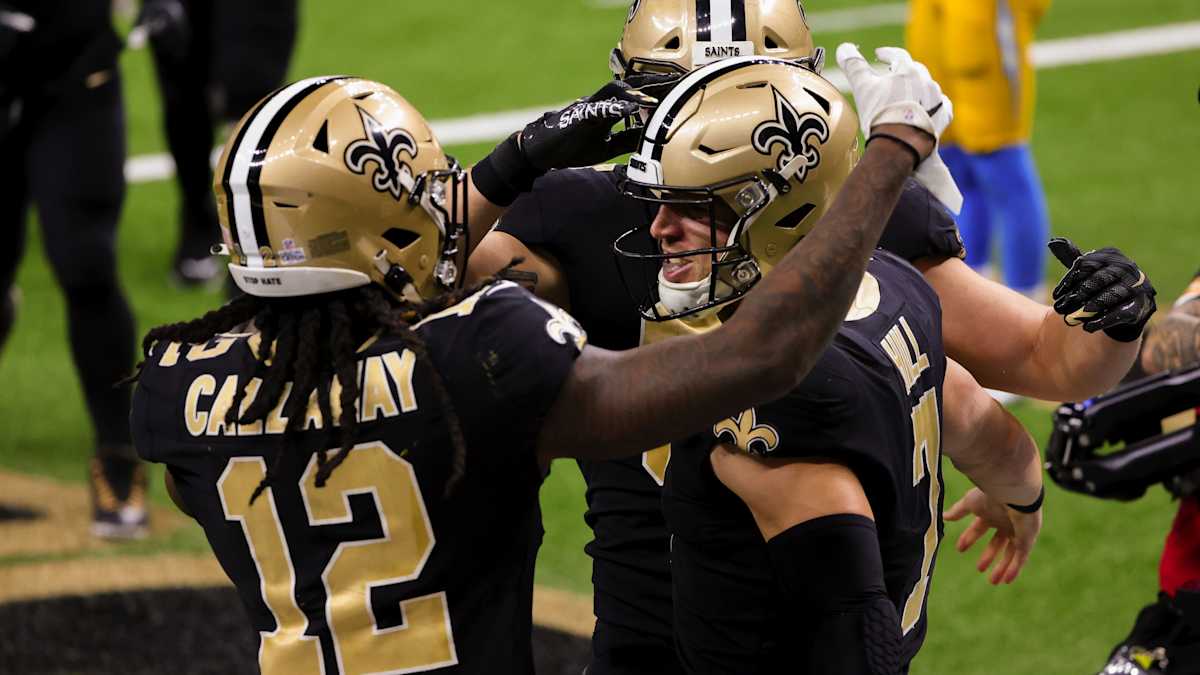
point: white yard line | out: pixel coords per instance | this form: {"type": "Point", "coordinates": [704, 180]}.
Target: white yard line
{"type": "Point", "coordinates": [854, 18]}
{"type": "Point", "coordinates": [1166, 39]}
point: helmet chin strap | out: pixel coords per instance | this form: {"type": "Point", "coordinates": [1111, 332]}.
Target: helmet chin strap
{"type": "Point", "coordinates": [681, 297]}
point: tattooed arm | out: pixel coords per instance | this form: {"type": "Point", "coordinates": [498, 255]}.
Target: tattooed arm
{"type": "Point", "coordinates": [1173, 342]}
{"type": "Point", "coordinates": [618, 403]}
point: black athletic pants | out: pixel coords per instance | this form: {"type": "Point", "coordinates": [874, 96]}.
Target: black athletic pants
{"type": "Point", "coordinates": [65, 156]}
{"type": "Point", "coordinates": [237, 54]}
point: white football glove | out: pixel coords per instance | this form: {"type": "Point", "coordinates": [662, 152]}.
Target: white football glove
{"type": "Point", "coordinates": [905, 94]}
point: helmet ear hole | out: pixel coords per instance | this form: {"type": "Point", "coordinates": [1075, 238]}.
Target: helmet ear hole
{"type": "Point", "coordinates": [673, 43]}
{"type": "Point", "coordinates": [770, 43]}
{"type": "Point", "coordinates": [400, 238]}
{"type": "Point", "coordinates": [792, 220]}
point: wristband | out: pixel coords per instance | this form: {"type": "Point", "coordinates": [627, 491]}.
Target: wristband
{"type": "Point", "coordinates": [504, 174]}
{"type": "Point", "coordinates": [903, 143]}
{"type": "Point", "coordinates": [1031, 508]}
{"type": "Point", "coordinates": [1126, 332]}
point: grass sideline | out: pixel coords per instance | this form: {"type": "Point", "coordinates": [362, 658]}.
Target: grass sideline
{"type": "Point", "coordinates": [1116, 148]}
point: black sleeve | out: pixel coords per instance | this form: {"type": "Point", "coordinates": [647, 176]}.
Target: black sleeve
{"type": "Point", "coordinates": [838, 413]}
{"type": "Point", "coordinates": [144, 414]}
{"type": "Point", "coordinates": [560, 203]}
{"type": "Point", "coordinates": [526, 348]}
{"type": "Point", "coordinates": [920, 227]}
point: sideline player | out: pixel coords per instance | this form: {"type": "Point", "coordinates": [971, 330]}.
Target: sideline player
{"type": "Point", "coordinates": [853, 454]}
{"type": "Point", "coordinates": [979, 52]}
{"type": "Point", "coordinates": [409, 545]}
{"type": "Point", "coordinates": [563, 231]}
{"type": "Point", "coordinates": [62, 137]}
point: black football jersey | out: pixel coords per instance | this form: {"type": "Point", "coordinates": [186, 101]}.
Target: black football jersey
{"type": "Point", "coordinates": [575, 215]}
{"type": "Point", "coordinates": [873, 402]}
{"type": "Point", "coordinates": [381, 569]}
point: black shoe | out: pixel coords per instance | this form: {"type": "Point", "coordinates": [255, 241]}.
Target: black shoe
{"type": "Point", "coordinates": [118, 489]}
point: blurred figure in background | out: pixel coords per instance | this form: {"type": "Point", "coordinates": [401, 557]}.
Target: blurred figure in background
{"type": "Point", "coordinates": [62, 137]}
{"type": "Point", "coordinates": [979, 51]}
{"type": "Point", "coordinates": [214, 60]}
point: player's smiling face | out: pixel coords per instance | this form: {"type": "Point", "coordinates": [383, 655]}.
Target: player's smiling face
{"type": "Point", "coordinates": [685, 227]}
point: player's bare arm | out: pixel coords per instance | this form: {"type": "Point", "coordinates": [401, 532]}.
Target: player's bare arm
{"type": "Point", "coordinates": [990, 446]}
{"type": "Point", "coordinates": [1036, 354]}
{"type": "Point", "coordinates": [1173, 342]}
{"type": "Point", "coordinates": [1079, 348]}
{"type": "Point", "coordinates": [612, 402]}
{"type": "Point", "coordinates": [543, 273]}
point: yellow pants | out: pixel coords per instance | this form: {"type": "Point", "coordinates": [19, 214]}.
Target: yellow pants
{"type": "Point", "coordinates": [978, 50]}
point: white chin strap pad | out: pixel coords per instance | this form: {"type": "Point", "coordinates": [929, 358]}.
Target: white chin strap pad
{"type": "Point", "coordinates": [682, 297]}
{"type": "Point", "coordinates": [288, 282]}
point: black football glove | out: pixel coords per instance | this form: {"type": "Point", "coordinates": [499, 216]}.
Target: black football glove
{"type": "Point", "coordinates": [1103, 290]}
{"type": "Point", "coordinates": [166, 23]}
{"type": "Point", "coordinates": [578, 135]}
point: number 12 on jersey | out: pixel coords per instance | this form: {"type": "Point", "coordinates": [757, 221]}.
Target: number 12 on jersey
{"type": "Point", "coordinates": [424, 641]}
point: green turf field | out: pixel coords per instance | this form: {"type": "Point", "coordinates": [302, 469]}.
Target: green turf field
{"type": "Point", "coordinates": [1117, 144]}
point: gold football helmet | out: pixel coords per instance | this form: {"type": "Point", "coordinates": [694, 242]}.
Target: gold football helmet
{"type": "Point", "coordinates": [335, 182]}
{"type": "Point", "coordinates": [677, 36]}
{"type": "Point", "coordinates": [764, 145]}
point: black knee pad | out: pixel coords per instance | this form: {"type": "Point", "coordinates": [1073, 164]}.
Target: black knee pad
{"type": "Point", "coordinates": [831, 573]}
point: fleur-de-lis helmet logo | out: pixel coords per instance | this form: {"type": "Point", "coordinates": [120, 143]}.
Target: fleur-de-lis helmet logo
{"type": "Point", "coordinates": [745, 432]}
{"type": "Point", "coordinates": [797, 133]}
{"type": "Point", "coordinates": [383, 147]}
{"type": "Point", "coordinates": [633, 9]}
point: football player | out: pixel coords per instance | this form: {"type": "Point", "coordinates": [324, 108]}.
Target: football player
{"type": "Point", "coordinates": [563, 231]}
{"type": "Point", "coordinates": [854, 451]}
{"type": "Point", "coordinates": [980, 51]}
{"type": "Point", "coordinates": [62, 136]}
{"type": "Point", "coordinates": [362, 440]}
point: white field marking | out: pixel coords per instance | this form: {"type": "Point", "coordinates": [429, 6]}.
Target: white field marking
{"type": "Point", "coordinates": [1165, 39]}
{"type": "Point", "coordinates": [854, 18]}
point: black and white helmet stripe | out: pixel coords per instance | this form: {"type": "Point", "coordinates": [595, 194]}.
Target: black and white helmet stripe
{"type": "Point", "coordinates": [660, 122]}
{"type": "Point", "coordinates": [720, 20]}
{"type": "Point", "coordinates": [243, 193]}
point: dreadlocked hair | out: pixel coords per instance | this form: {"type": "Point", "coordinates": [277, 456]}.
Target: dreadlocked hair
{"type": "Point", "coordinates": [306, 344]}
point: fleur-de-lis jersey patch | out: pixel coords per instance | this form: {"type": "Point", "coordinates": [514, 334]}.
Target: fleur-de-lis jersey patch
{"type": "Point", "coordinates": [745, 432]}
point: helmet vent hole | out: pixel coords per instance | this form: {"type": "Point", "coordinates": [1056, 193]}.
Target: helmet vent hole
{"type": "Point", "coordinates": [770, 43]}
{"type": "Point", "coordinates": [400, 238]}
{"type": "Point", "coordinates": [793, 219]}
{"type": "Point", "coordinates": [821, 100]}
{"type": "Point", "coordinates": [284, 205]}
{"type": "Point", "coordinates": [673, 43]}
{"type": "Point", "coordinates": [321, 142]}
{"type": "Point", "coordinates": [707, 150]}
{"type": "Point", "coordinates": [360, 97]}
{"type": "Point", "coordinates": [753, 85]}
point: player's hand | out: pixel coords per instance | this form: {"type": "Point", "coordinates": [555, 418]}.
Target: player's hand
{"type": "Point", "coordinates": [906, 94]}
{"type": "Point", "coordinates": [581, 133]}
{"type": "Point", "coordinates": [166, 24]}
{"type": "Point", "coordinates": [1102, 290]}
{"type": "Point", "coordinates": [1016, 534]}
